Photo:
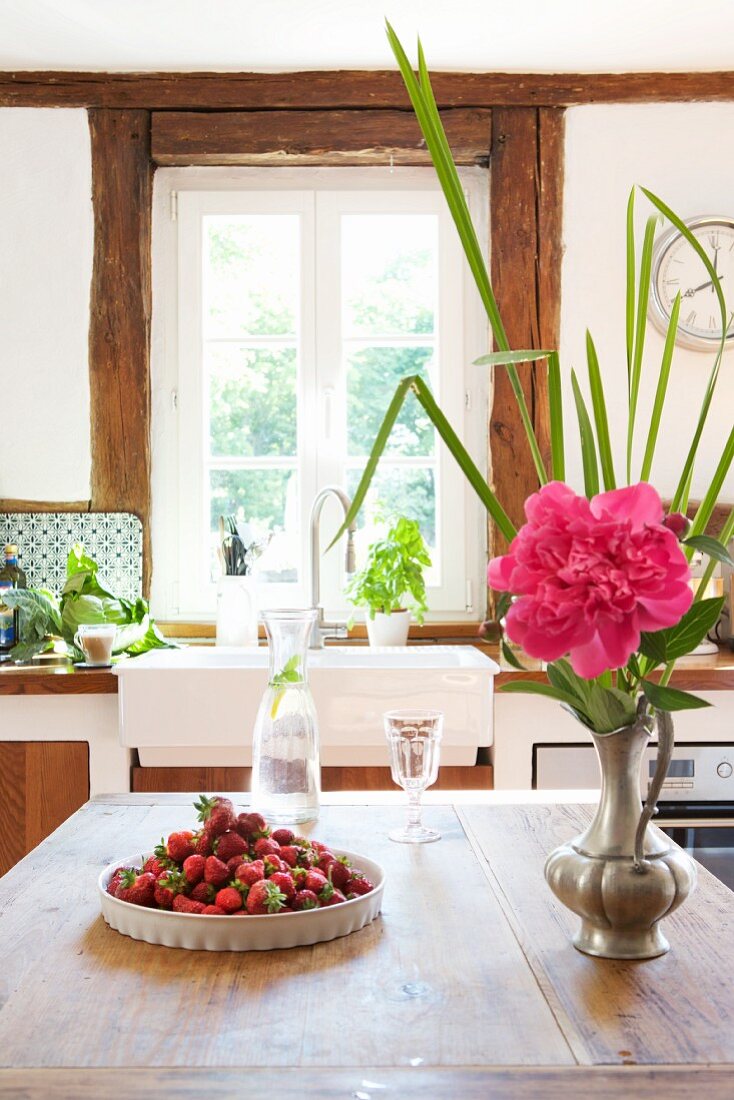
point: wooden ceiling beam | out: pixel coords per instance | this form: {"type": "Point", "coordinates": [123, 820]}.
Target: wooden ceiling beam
{"type": "Point", "coordinates": [335, 90]}
{"type": "Point", "coordinates": [267, 138]}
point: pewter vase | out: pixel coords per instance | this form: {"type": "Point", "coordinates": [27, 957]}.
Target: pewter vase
{"type": "Point", "coordinates": [622, 875]}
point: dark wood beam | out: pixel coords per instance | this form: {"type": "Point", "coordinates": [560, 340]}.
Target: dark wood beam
{"type": "Point", "coordinates": [269, 138]}
{"type": "Point", "coordinates": [349, 89]}
{"type": "Point", "coordinates": [119, 325]}
{"type": "Point", "coordinates": [525, 228]}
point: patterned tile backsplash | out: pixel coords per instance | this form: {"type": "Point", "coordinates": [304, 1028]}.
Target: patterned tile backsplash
{"type": "Point", "coordinates": [113, 539]}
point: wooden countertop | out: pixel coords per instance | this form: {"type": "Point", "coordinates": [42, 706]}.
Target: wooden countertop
{"type": "Point", "coordinates": [715, 673]}
{"type": "Point", "coordinates": [466, 986]}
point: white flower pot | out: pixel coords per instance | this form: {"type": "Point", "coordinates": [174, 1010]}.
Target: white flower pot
{"type": "Point", "coordinates": [389, 629]}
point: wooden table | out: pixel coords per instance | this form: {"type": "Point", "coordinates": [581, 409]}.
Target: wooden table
{"type": "Point", "coordinates": [466, 986]}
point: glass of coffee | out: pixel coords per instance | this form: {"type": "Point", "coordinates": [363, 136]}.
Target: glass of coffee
{"type": "Point", "coordinates": [95, 641]}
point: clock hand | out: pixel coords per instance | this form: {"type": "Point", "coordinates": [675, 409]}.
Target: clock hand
{"type": "Point", "coordinates": [695, 289]}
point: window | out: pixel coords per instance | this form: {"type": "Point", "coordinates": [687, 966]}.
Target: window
{"type": "Point", "coordinates": [288, 304]}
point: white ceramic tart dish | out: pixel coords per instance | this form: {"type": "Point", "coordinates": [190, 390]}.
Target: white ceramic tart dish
{"type": "Point", "coordinates": [252, 933]}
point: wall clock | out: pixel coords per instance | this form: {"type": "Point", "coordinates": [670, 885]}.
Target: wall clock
{"type": "Point", "coordinates": [676, 267]}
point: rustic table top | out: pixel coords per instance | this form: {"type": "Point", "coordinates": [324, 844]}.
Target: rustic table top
{"type": "Point", "coordinates": [466, 986]}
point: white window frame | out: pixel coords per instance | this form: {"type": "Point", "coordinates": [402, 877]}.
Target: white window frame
{"type": "Point", "coordinates": [319, 197]}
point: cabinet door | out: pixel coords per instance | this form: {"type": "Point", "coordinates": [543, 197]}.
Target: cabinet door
{"type": "Point", "coordinates": [41, 784]}
{"type": "Point", "coordinates": [450, 777]}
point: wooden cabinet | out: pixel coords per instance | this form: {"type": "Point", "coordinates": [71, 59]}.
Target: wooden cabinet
{"type": "Point", "coordinates": [450, 777]}
{"type": "Point", "coordinates": [41, 784]}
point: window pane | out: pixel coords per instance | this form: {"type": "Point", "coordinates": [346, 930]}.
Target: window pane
{"type": "Point", "coordinates": [267, 501]}
{"type": "Point", "coordinates": [251, 274]}
{"type": "Point", "coordinates": [389, 273]}
{"type": "Point", "coordinates": [372, 377]}
{"type": "Point", "coordinates": [252, 400]}
{"type": "Point", "coordinates": [395, 491]}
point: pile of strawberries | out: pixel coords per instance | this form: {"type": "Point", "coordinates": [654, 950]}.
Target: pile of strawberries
{"type": "Point", "coordinates": [236, 866]}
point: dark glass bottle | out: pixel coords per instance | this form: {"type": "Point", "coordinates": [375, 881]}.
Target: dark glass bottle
{"type": "Point", "coordinates": [11, 576]}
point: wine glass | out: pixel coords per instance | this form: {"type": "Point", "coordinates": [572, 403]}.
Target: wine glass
{"type": "Point", "coordinates": [414, 738]}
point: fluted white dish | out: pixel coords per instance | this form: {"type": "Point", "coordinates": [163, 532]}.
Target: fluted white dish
{"type": "Point", "coordinates": [196, 932]}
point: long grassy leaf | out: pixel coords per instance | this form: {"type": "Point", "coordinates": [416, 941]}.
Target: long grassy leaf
{"type": "Point", "coordinates": [459, 452]}
{"type": "Point", "coordinates": [643, 295]}
{"type": "Point", "coordinates": [555, 402]}
{"type": "Point", "coordinates": [706, 507]}
{"type": "Point", "coordinates": [725, 536]}
{"type": "Point", "coordinates": [661, 391]}
{"type": "Point", "coordinates": [599, 406]}
{"type": "Point", "coordinates": [680, 497]}
{"type": "Point", "coordinates": [502, 358]}
{"type": "Point", "coordinates": [630, 283]}
{"type": "Point", "coordinates": [588, 447]}
{"type": "Point", "coordinates": [429, 120]}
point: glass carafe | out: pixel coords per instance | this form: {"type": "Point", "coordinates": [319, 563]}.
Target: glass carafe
{"type": "Point", "coordinates": [285, 744]}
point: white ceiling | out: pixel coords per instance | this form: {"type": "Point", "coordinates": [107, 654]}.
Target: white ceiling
{"type": "Point", "coordinates": [282, 35]}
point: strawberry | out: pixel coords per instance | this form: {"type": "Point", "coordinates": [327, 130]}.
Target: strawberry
{"type": "Point", "coordinates": [266, 846]}
{"type": "Point", "coordinates": [136, 887]}
{"type": "Point", "coordinates": [358, 885]}
{"type": "Point", "coordinates": [156, 864]}
{"type": "Point", "coordinates": [115, 880]}
{"type": "Point", "coordinates": [217, 813]}
{"type": "Point", "coordinates": [213, 911]}
{"type": "Point", "coordinates": [203, 892]}
{"type": "Point", "coordinates": [168, 885]}
{"type": "Point", "coordinates": [301, 842]}
{"type": "Point", "coordinates": [273, 864]}
{"type": "Point", "coordinates": [339, 873]}
{"type": "Point", "coordinates": [307, 857]}
{"type": "Point", "coordinates": [229, 899]}
{"type": "Point", "coordinates": [228, 845]}
{"type": "Point", "coordinates": [334, 898]}
{"type": "Point", "coordinates": [319, 846]}
{"type": "Point", "coordinates": [298, 874]}
{"type": "Point", "coordinates": [283, 836]}
{"type": "Point", "coordinates": [203, 842]}
{"type": "Point", "coordinates": [180, 846]}
{"type": "Point", "coordinates": [194, 867]}
{"type": "Point", "coordinates": [285, 884]}
{"type": "Point", "coordinates": [289, 854]}
{"type": "Point", "coordinates": [265, 897]}
{"type": "Point", "coordinates": [182, 904]}
{"type": "Point", "coordinates": [249, 873]}
{"type": "Point", "coordinates": [315, 881]}
{"type": "Point", "coordinates": [305, 899]}
{"type": "Point", "coordinates": [215, 872]}
{"type": "Point", "coordinates": [252, 826]}
{"type": "Point", "coordinates": [325, 860]}
{"type": "Point", "coordinates": [237, 861]}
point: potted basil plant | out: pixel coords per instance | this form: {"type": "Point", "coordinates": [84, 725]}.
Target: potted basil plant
{"type": "Point", "coordinates": [392, 572]}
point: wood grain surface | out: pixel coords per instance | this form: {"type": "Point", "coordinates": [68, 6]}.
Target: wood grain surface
{"type": "Point", "coordinates": [273, 138]}
{"type": "Point", "coordinates": [677, 1008]}
{"type": "Point", "coordinates": [41, 784]}
{"type": "Point", "coordinates": [120, 307]}
{"type": "Point", "coordinates": [351, 89]}
{"type": "Point", "coordinates": [437, 980]}
{"type": "Point", "coordinates": [450, 777]}
{"type": "Point", "coordinates": [406, 1083]}
{"type": "Point", "coordinates": [18, 680]}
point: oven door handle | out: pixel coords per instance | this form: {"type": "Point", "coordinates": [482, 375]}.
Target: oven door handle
{"type": "Point", "coordinates": [666, 739]}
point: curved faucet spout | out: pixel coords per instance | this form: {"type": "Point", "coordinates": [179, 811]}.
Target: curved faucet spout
{"type": "Point", "coordinates": [320, 628]}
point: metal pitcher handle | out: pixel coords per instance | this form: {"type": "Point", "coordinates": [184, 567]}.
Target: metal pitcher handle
{"type": "Point", "coordinates": [664, 724]}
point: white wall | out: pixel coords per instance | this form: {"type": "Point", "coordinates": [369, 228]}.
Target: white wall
{"type": "Point", "coordinates": [46, 242]}
{"type": "Point", "coordinates": [682, 153]}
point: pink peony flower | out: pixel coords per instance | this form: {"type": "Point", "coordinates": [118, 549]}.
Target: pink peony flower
{"type": "Point", "coordinates": [590, 575]}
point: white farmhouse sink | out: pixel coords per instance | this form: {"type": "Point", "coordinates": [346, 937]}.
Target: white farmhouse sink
{"type": "Point", "coordinates": [198, 705]}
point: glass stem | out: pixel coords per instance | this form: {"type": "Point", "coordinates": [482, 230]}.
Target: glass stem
{"type": "Point", "coordinates": [414, 809]}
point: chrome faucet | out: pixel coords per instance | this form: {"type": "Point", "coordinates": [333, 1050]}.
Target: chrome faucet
{"type": "Point", "coordinates": [322, 629]}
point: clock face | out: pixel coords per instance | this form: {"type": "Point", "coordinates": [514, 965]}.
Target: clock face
{"type": "Point", "coordinates": [678, 269]}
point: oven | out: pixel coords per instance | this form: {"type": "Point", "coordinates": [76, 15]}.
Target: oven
{"type": "Point", "coordinates": [696, 806]}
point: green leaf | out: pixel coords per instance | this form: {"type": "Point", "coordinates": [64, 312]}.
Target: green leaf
{"type": "Point", "coordinates": [537, 687]}
{"type": "Point", "coordinates": [26, 651]}
{"type": "Point", "coordinates": [78, 610]}
{"type": "Point", "coordinates": [631, 274]}
{"type": "Point", "coordinates": [610, 708]}
{"type": "Point", "coordinates": [706, 507]}
{"type": "Point", "coordinates": [510, 657]}
{"type": "Point", "coordinates": [561, 675]}
{"type": "Point", "coordinates": [588, 448]}
{"type": "Point", "coordinates": [600, 414]}
{"type": "Point", "coordinates": [555, 403]}
{"type": "Point", "coordinates": [711, 546]}
{"type": "Point", "coordinates": [641, 326]}
{"type": "Point", "coordinates": [502, 358]}
{"type": "Point", "coordinates": [667, 698]}
{"type": "Point", "coordinates": [38, 613]}
{"type": "Point", "coordinates": [725, 536]}
{"type": "Point", "coordinates": [667, 645]}
{"type": "Point", "coordinates": [502, 604]}
{"type": "Point", "coordinates": [661, 390]}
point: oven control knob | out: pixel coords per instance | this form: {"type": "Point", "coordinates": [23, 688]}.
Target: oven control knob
{"type": "Point", "coordinates": [724, 769]}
